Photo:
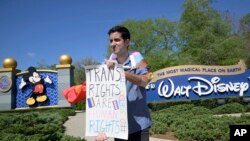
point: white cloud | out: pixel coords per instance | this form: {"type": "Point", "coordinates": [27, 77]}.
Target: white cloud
{"type": "Point", "coordinates": [31, 54]}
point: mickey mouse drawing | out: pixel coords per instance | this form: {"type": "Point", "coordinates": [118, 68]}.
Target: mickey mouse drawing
{"type": "Point", "coordinates": [34, 79]}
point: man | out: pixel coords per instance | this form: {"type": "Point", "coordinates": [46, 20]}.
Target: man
{"type": "Point", "coordinates": [137, 77]}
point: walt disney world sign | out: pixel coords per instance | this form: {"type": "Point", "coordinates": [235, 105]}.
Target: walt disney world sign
{"type": "Point", "coordinates": [190, 82]}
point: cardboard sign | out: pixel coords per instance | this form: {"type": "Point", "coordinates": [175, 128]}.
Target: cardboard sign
{"type": "Point", "coordinates": [106, 102]}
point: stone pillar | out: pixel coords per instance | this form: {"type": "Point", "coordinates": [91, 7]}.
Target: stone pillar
{"type": "Point", "coordinates": [65, 78]}
{"type": "Point", "coordinates": [8, 84]}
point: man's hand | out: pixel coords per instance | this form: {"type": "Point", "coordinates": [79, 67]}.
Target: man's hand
{"type": "Point", "coordinates": [101, 137]}
{"type": "Point", "coordinates": [110, 63]}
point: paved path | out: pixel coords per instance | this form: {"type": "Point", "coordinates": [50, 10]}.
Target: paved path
{"type": "Point", "coordinates": [75, 126]}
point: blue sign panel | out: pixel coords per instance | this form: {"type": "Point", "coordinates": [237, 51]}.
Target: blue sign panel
{"type": "Point", "coordinates": [195, 83]}
{"type": "Point", "coordinates": [25, 93]}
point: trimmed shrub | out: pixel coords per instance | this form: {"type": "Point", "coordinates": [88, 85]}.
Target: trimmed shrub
{"type": "Point", "coordinates": [35, 125]}
{"type": "Point", "coordinates": [229, 108]}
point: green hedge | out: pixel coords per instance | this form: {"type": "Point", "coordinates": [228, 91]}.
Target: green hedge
{"type": "Point", "coordinates": [189, 120]}
{"type": "Point", "coordinates": [35, 125]}
{"type": "Point", "coordinates": [208, 103]}
{"type": "Point", "coordinates": [193, 122]}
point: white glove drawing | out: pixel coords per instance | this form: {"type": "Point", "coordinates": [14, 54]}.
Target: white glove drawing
{"type": "Point", "coordinates": [22, 84]}
{"type": "Point", "coordinates": [48, 80]}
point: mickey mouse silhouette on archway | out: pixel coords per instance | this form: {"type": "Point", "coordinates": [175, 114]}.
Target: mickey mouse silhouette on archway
{"type": "Point", "coordinates": [34, 79]}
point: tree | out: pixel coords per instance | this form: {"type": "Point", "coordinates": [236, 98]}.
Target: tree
{"type": "Point", "coordinates": [245, 34]}
{"type": "Point", "coordinates": [155, 39]}
{"type": "Point", "coordinates": [79, 71]}
{"type": "Point", "coordinates": [206, 38]}
{"type": "Point", "coordinates": [245, 26]}
{"type": "Point", "coordinates": [43, 65]}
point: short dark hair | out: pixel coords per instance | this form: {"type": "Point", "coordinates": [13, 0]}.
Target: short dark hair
{"type": "Point", "coordinates": [121, 29]}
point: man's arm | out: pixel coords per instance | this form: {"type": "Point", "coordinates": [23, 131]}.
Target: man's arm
{"type": "Point", "coordinates": [140, 80]}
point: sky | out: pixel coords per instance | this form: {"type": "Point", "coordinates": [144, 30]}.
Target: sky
{"type": "Point", "coordinates": [40, 31]}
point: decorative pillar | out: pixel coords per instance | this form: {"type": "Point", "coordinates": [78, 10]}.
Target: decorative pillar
{"type": "Point", "coordinates": [7, 84]}
{"type": "Point", "coordinates": [65, 78]}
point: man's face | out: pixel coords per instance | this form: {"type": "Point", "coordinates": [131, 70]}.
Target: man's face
{"type": "Point", "coordinates": [118, 44]}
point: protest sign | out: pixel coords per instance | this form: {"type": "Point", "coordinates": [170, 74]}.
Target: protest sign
{"type": "Point", "coordinates": [106, 101]}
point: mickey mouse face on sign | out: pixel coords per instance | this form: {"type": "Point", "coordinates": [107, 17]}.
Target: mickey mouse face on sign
{"type": "Point", "coordinates": [34, 77]}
